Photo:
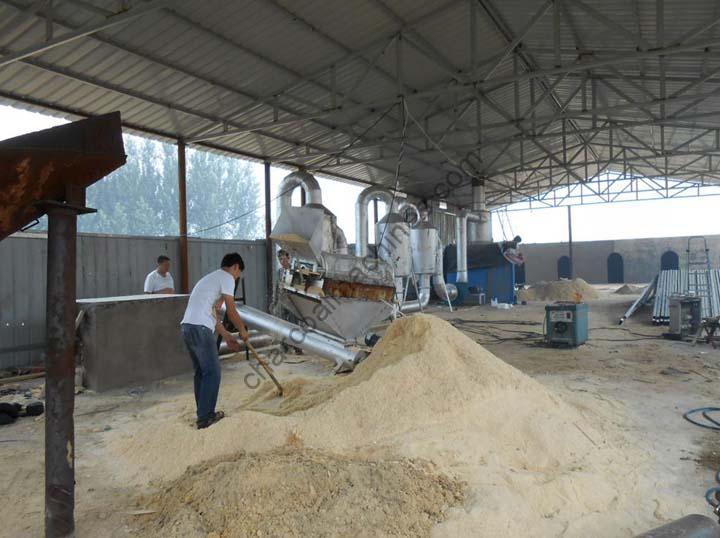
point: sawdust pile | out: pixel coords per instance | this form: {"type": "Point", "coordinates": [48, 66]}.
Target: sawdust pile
{"type": "Point", "coordinates": [534, 465]}
{"type": "Point", "coordinates": [629, 289]}
{"type": "Point", "coordinates": [300, 494]}
{"type": "Point", "coordinates": [559, 290]}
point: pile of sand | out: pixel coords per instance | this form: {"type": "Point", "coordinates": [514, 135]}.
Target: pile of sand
{"type": "Point", "coordinates": [302, 493]}
{"type": "Point", "coordinates": [559, 290]}
{"type": "Point", "coordinates": [629, 289]}
{"type": "Point", "coordinates": [534, 465]}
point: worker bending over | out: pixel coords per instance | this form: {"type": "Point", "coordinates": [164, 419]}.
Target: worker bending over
{"type": "Point", "coordinates": [198, 329]}
{"type": "Point", "coordinates": [159, 280]}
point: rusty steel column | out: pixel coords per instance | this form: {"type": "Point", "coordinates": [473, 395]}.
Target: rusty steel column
{"type": "Point", "coordinates": [60, 374]}
{"type": "Point", "coordinates": [269, 254]}
{"type": "Point", "coordinates": [182, 218]}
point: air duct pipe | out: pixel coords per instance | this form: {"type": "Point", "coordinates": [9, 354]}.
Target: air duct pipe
{"type": "Point", "coordinates": [297, 336]}
{"type": "Point", "coordinates": [461, 245]}
{"type": "Point", "coordinates": [423, 296]}
{"type": "Point", "coordinates": [361, 215]}
{"type": "Point", "coordinates": [298, 179]}
{"type": "Point", "coordinates": [479, 227]}
{"type": "Point", "coordinates": [341, 246]}
{"type": "Point", "coordinates": [445, 291]}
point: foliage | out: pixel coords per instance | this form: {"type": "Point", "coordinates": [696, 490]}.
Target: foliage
{"type": "Point", "coordinates": [141, 198]}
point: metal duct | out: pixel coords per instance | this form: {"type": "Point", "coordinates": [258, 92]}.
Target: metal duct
{"type": "Point", "coordinates": [478, 196]}
{"type": "Point", "coordinates": [296, 336]}
{"type": "Point", "coordinates": [423, 297]}
{"type": "Point", "coordinates": [405, 205]}
{"type": "Point", "coordinates": [461, 245]}
{"type": "Point", "coordinates": [361, 215]}
{"type": "Point", "coordinates": [298, 179]}
{"type": "Point", "coordinates": [438, 279]}
{"type": "Point", "coordinates": [341, 246]}
{"type": "Point", "coordinates": [479, 227]}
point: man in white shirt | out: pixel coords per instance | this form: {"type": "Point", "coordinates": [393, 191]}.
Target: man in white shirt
{"type": "Point", "coordinates": [198, 326]}
{"type": "Point", "coordinates": [160, 280]}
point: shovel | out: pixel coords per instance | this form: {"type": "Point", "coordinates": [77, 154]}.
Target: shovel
{"type": "Point", "coordinates": [265, 366]}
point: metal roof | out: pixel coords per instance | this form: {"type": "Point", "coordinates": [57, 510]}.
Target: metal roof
{"type": "Point", "coordinates": [538, 93]}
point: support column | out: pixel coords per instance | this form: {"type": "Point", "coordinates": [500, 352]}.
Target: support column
{"type": "Point", "coordinates": [182, 218]}
{"type": "Point", "coordinates": [570, 243]}
{"type": "Point", "coordinates": [269, 251]}
{"type": "Point", "coordinates": [60, 372]}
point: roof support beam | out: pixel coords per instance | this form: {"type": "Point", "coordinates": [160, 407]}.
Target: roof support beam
{"type": "Point", "coordinates": [73, 35]}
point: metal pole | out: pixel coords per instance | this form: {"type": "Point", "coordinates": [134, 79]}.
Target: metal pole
{"type": "Point", "coordinates": [303, 197]}
{"type": "Point", "coordinates": [60, 374]}
{"type": "Point", "coordinates": [570, 242]}
{"type": "Point", "coordinates": [269, 261]}
{"type": "Point", "coordinates": [375, 211]}
{"type": "Point", "coordinates": [182, 213]}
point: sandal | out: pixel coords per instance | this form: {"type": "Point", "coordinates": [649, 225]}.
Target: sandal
{"type": "Point", "coordinates": [217, 416]}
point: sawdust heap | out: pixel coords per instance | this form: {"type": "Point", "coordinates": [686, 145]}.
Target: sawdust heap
{"type": "Point", "coordinates": [559, 290]}
{"type": "Point", "coordinates": [302, 493]}
{"type": "Point", "coordinates": [535, 466]}
{"type": "Point", "coordinates": [629, 289]}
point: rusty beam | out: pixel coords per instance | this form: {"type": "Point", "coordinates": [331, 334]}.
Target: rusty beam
{"type": "Point", "coordinates": [60, 371]}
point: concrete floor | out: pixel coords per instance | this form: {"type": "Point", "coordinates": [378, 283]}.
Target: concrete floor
{"type": "Point", "coordinates": [642, 383]}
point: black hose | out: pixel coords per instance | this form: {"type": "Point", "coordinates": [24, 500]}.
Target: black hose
{"type": "Point", "coordinates": [714, 425]}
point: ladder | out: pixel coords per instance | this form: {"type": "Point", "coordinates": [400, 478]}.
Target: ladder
{"type": "Point", "coordinates": [698, 270]}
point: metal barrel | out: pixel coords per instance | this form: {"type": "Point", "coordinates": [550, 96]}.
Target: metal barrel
{"type": "Point", "coordinates": [692, 526]}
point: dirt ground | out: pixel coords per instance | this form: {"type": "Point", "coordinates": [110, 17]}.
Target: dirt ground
{"type": "Point", "coordinates": [640, 382]}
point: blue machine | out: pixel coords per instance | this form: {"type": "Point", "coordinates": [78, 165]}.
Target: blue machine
{"type": "Point", "coordinates": [495, 282]}
{"type": "Point", "coordinates": [490, 274]}
{"type": "Point", "coordinates": [566, 324]}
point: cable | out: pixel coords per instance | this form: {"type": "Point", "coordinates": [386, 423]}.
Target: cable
{"type": "Point", "coordinates": [712, 495]}
{"type": "Point", "coordinates": [358, 137]}
{"type": "Point", "coordinates": [714, 425]}
{"type": "Point", "coordinates": [238, 217]}
{"type": "Point", "coordinates": [403, 111]}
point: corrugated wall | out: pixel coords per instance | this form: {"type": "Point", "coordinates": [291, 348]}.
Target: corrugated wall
{"type": "Point", "coordinates": [107, 266]}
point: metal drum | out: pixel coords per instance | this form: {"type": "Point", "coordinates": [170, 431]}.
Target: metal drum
{"type": "Point", "coordinates": [394, 248]}
{"type": "Point", "coordinates": [424, 244]}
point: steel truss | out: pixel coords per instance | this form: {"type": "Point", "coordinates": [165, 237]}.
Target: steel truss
{"type": "Point", "coordinates": [588, 111]}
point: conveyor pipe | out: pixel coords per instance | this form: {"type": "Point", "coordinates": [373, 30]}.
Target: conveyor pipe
{"type": "Point", "coordinates": [297, 336]}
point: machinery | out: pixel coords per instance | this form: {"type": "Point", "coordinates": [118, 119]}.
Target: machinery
{"type": "Point", "coordinates": [566, 324]}
{"type": "Point", "coordinates": [685, 316]}
{"type": "Point", "coordinates": [336, 295]}
{"type": "Point", "coordinates": [410, 247]}
{"type": "Point", "coordinates": [480, 269]}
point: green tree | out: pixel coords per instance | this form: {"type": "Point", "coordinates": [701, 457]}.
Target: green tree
{"type": "Point", "coordinates": [222, 190]}
{"type": "Point", "coordinates": [141, 198]}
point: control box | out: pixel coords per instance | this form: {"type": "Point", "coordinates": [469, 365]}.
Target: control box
{"type": "Point", "coordinates": [566, 324]}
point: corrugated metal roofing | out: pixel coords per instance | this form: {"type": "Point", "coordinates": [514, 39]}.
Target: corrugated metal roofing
{"type": "Point", "coordinates": [316, 83]}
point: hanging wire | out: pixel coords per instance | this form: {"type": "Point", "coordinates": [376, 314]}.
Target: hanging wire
{"type": "Point", "coordinates": [238, 217]}
{"type": "Point", "coordinates": [404, 114]}
{"type": "Point", "coordinates": [328, 158]}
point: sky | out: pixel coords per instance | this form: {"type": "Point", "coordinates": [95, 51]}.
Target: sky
{"type": "Point", "coordinates": [656, 218]}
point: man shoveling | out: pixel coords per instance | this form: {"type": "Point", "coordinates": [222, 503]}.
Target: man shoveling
{"type": "Point", "coordinates": [198, 327]}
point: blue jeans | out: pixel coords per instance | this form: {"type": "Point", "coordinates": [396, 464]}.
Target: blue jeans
{"type": "Point", "coordinates": [201, 344]}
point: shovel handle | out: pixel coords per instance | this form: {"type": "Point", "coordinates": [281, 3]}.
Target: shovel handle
{"type": "Point", "coordinates": [265, 367]}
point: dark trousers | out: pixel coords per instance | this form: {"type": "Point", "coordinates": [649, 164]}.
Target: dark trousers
{"type": "Point", "coordinates": [200, 342]}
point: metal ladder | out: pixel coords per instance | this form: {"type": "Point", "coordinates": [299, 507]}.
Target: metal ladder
{"type": "Point", "coordinates": [698, 271]}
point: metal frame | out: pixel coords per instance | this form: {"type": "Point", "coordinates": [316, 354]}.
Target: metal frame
{"type": "Point", "coordinates": [589, 110]}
